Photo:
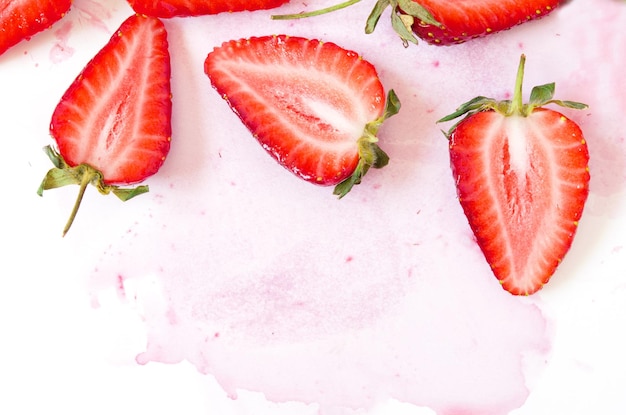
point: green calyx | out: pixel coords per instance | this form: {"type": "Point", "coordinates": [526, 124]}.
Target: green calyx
{"type": "Point", "coordinates": [370, 154]}
{"type": "Point", "coordinates": [63, 174]}
{"type": "Point", "coordinates": [540, 95]}
{"type": "Point", "coordinates": [403, 15]}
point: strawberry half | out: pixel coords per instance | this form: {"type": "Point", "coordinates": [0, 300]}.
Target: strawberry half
{"type": "Point", "coordinates": [21, 19]}
{"type": "Point", "coordinates": [315, 107]}
{"type": "Point", "coordinates": [113, 124]}
{"type": "Point", "coordinates": [522, 178]}
{"type": "Point", "coordinates": [173, 8]}
{"type": "Point", "coordinates": [445, 22]}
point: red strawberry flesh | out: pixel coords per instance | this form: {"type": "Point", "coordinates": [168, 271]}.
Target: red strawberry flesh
{"type": "Point", "coordinates": [525, 206]}
{"type": "Point", "coordinates": [522, 178]}
{"type": "Point", "coordinates": [183, 8]}
{"type": "Point", "coordinates": [21, 19]}
{"type": "Point", "coordinates": [116, 115]}
{"type": "Point", "coordinates": [306, 101]}
{"type": "Point", "coordinates": [113, 124]}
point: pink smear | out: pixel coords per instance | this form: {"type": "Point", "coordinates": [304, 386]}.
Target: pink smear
{"type": "Point", "coordinates": [61, 50]}
{"type": "Point", "coordinates": [272, 285]}
{"type": "Point", "coordinates": [270, 306]}
{"type": "Point", "coordinates": [95, 13]}
{"type": "Point", "coordinates": [601, 71]}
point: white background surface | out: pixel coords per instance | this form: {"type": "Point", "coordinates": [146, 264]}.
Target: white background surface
{"type": "Point", "coordinates": [59, 353]}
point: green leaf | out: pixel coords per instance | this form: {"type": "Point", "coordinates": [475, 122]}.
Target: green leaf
{"type": "Point", "coordinates": [57, 178]}
{"type": "Point", "coordinates": [571, 104]}
{"type": "Point", "coordinates": [541, 94]}
{"type": "Point", "coordinates": [567, 104]}
{"type": "Point", "coordinates": [377, 11]}
{"type": "Point", "coordinates": [125, 194]}
{"type": "Point", "coordinates": [418, 11]}
{"type": "Point", "coordinates": [345, 186]}
{"type": "Point", "coordinates": [392, 106]}
{"type": "Point", "coordinates": [473, 105]}
{"type": "Point", "coordinates": [405, 33]}
{"type": "Point", "coordinates": [381, 158]}
{"type": "Point", "coordinates": [55, 157]}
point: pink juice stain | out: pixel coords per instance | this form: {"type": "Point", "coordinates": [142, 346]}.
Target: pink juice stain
{"type": "Point", "coordinates": [270, 284]}
{"type": "Point", "coordinates": [270, 304]}
{"type": "Point", "coordinates": [95, 13]}
{"type": "Point", "coordinates": [91, 12]}
{"type": "Point", "coordinates": [61, 50]}
{"type": "Point", "coordinates": [601, 72]}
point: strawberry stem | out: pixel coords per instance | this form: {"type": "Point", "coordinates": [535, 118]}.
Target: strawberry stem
{"type": "Point", "coordinates": [540, 95]}
{"type": "Point", "coordinates": [85, 180]}
{"type": "Point", "coordinates": [63, 174]}
{"type": "Point", "coordinates": [315, 12]}
{"type": "Point", "coordinates": [404, 13]}
{"type": "Point", "coordinates": [517, 104]}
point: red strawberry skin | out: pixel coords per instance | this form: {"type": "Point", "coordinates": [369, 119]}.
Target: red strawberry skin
{"type": "Point", "coordinates": [173, 8]}
{"type": "Point", "coordinates": [21, 19]}
{"type": "Point", "coordinates": [522, 183]}
{"type": "Point", "coordinates": [465, 20]}
{"type": "Point", "coordinates": [307, 102]}
{"type": "Point", "coordinates": [116, 114]}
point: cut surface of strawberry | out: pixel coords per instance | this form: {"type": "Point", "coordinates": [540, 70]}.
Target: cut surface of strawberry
{"type": "Point", "coordinates": [522, 177]}
{"type": "Point", "coordinates": [113, 124]}
{"type": "Point", "coordinates": [22, 19]}
{"type": "Point", "coordinates": [182, 8]}
{"type": "Point", "coordinates": [314, 106]}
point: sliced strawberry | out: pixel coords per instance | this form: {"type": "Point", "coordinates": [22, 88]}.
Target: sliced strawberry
{"type": "Point", "coordinates": [315, 107]}
{"type": "Point", "coordinates": [522, 177]}
{"type": "Point", "coordinates": [464, 20]}
{"type": "Point", "coordinates": [112, 126]}
{"type": "Point", "coordinates": [172, 8]}
{"type": "Point", "coordinates": [21, 19]}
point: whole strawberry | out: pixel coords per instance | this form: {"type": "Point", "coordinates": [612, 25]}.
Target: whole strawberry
{"type": "Point", "coordinates": [522, 178]}
{"type": "Point", "coordinates": [445, 22]}
{"type": "Point", "coordinates": [22, 19]}
{"type": "Point", "coordinates": [314, 106]}
{"type": "Point", "coordinates": [464, 20]}
{"type": "Point", "coordinates": [113, 124]}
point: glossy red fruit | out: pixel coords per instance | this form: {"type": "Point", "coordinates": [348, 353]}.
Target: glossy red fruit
{"type": "Point", "coordinates": [113, 124]}
{"type": "Point", "coordinates": [461, 21]}
{"type": "Point", "coordinates": [522, 178]}
{"type": "Point", "coordinates": [22, 19]}
{"type": "Point", "coordinates": [445, 22]}
{"type": "Point", "coordinates": [314, 106]}
{"type": "Point", "coordinates": [173, 8]}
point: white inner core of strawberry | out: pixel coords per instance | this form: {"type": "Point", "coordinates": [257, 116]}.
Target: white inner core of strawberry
{"type": "Point", "coordinates": [517, 145]}
{"type": "Point", "coordinates": [327, 114]}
